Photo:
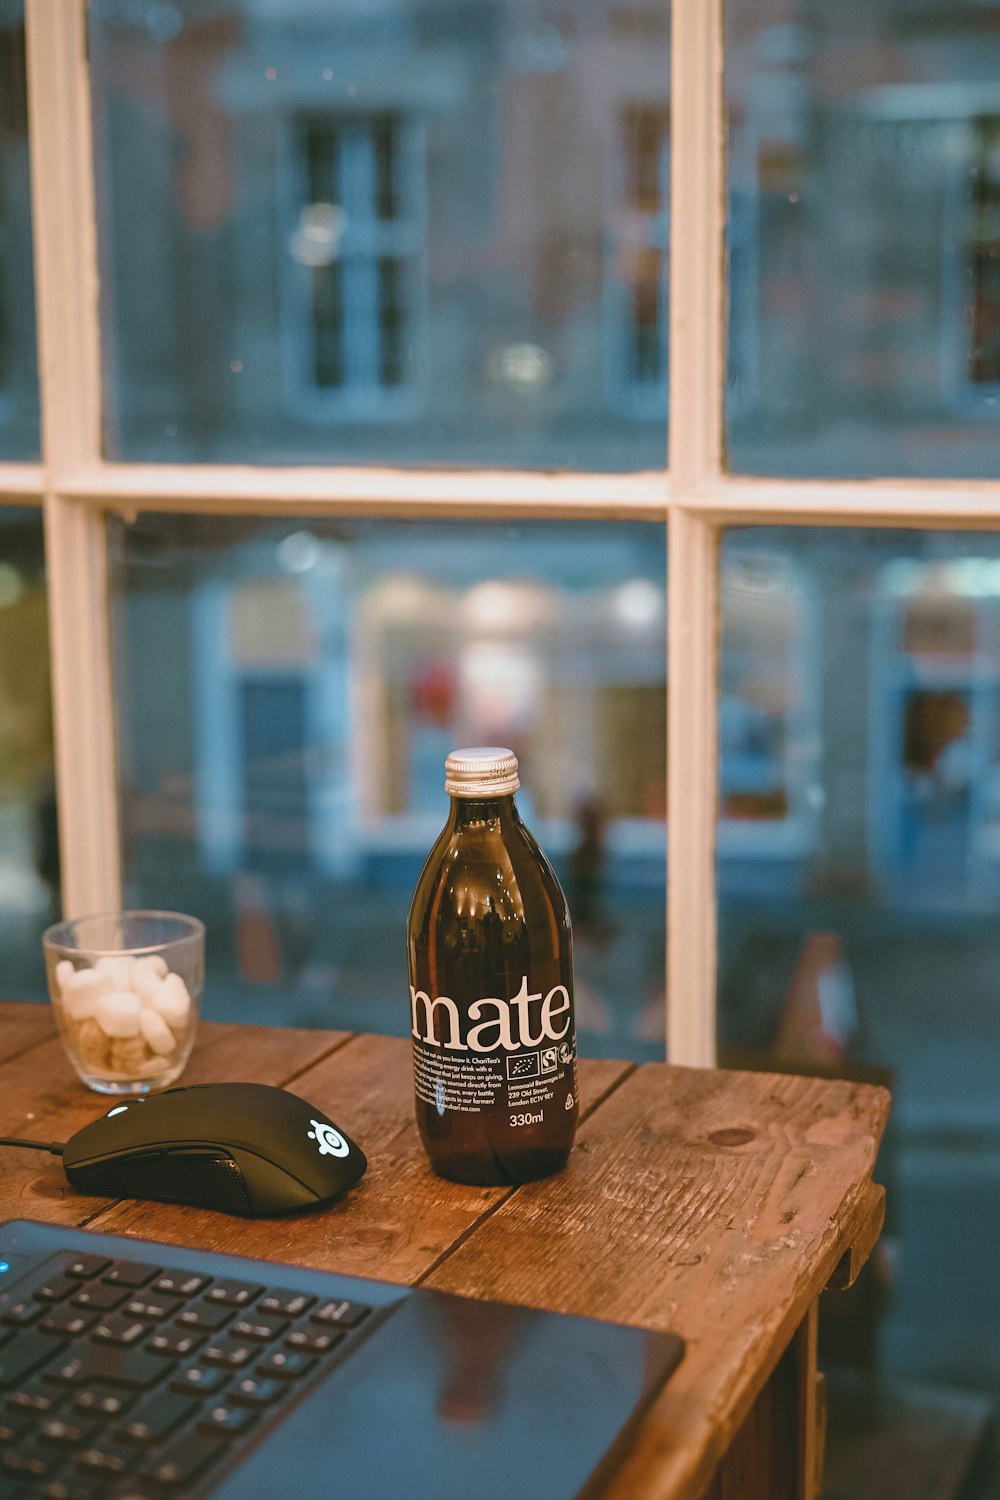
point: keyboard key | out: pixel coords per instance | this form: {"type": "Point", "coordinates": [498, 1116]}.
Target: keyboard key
{"type": "Point", "coordinates": [67, 1321]}
{"type": "Point", "coordinates": [71, 1487]}
{"type": "Point", "coordinates": [35, 1397]}
{"type": "Point", "coordinates": [131, 1273]}
{"type": "Point", "coordinates": [63, 1433]}
{"type": "Point", "coordinates": [286, 1304]}
{"type": "Point", "coordinates": [106, 1457]}
{"type": "Point", "coordinates": [205, 1319]}
{"type": "Point", "coordinates": [233, 1293]}
{"type": "Point", "coordinates": [186, 1457]}
{"type": "Point", "coordinates": [102, 1400]}
{"type": "Point", "coordinates": [199, 1378]}
{"type": "Point", "coordinates": [228, 1420]}
{"type": "Point", "coordinates": [20, 1314]}
{"type": "Point", "coordinates": [286, 1365]}
{"type": "Point", "coordinates": [13, 1424]}
{"type": "Point", "coordinates": [110, 1366]}
{"type": "Point", "coordinates": [29, 1461]}
{"type": "Point", "coordinates": [83, 1267]}
{"type": "Point", "coordinates": [261, 1330]}
{"type": "Point", "coordinates": [101, 1298]}
{"type": "Point", "coordinates": [24, 1354]}
{"type": "Point", "coordinates": [315, 1340]}
{"type": "Point", "coordinates": [153, 1309]}
{"type": "Point", "coordinates": [347, 1314]}
{"type": "Point", "coordinates": [228, 1354]}
{"type": "Point", "coordinates": [56, 1289]}
{"type": "Point", "coordinates": [156, 1416]}
{"type": "Point", "coordinates": [120, 1329]}
{"type": "Point", "coordinates": [175, 1342]}
{"type": "Point", "coordinates": [252, 1390]}
{"type": "Point", "coordinates": [179, 1283]}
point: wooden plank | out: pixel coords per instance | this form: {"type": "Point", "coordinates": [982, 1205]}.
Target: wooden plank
{"type": "Point", "coordinates": [714, 1204]}
{"type": "Point", "coordinates": [23, 1026]}
{"type": "Point", "coordinates": [400, 1219]}
{"type": "Point", "coordinates": [871, 1219]}
{"type": "Point", "coordinates": [773, 1455]}
{"type": "Point", "coordinates": [41, 1098]}
{"type": "Point", "coordinates": [803, 1351]}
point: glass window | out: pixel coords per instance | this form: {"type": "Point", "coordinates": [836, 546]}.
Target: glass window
{"type": "Point", "coordinates": [396, 232]}
{"type": "Point", "coordinates": [18, 366]}
{"type": "Point", "coordinates": [864, 180]}
{"type": "Point", "coordinates": [859, 882]}
{"type": "Point", "coordinates": [352, 319]}
{"type": "Point", "coordinates": [29, 849]}
{"type": "Point", "coordinates": [282, 764]}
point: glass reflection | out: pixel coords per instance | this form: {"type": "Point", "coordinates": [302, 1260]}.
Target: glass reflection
{"type": "Point", "coordinates": [282, 765]}
{"type": "Point", "coordinates": [864, 181]}
{"type": "Point", "coordinates": [29, 848]}
{"type": "Point", "coordinates": [405, 231]}
{"type": "Point", "coordinates": [859, 883]}
{"type": "Point", "coordinates": [18, 365]}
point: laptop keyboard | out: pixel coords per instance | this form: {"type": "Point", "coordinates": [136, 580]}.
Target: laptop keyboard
{"type": "Point", "coordinates": [133, 1380]}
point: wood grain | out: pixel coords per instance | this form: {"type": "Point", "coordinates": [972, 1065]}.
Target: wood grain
{"type": "Point", "coordinates": [23, 1026]}
{"type": "Point", "coordinates": [399, 1220]}
{"type": "Point", "coordinates": [714, 1204]}
{"type": "Point", "coordinates": [41, 1098]}
{"type": "Point", "coordinates": [871, 1217]}
{"type": "Point", "coordinates": [773, 1455]}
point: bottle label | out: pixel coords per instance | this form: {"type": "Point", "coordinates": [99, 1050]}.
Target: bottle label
{"type": "Point", "coordinates": [518, 1053]}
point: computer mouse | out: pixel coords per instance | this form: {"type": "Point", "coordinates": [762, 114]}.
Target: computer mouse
{"type": "Point", "coordinates": [245, 1148]}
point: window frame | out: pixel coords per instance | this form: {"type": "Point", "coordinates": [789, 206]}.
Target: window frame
{"type": "Point", "coordinates": [694, 496]}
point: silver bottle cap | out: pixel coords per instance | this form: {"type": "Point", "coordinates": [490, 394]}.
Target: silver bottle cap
{"type": "Point", "coordinates": [481, 771]}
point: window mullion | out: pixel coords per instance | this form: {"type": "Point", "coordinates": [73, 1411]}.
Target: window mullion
{"type": "Point", "coordinates": [697, 366]}
{"type": "Point", "coordinates": [21, 483]}
{"type": "Point", "coordinates": [66, 286]}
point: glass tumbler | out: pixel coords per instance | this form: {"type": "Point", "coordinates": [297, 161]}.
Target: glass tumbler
{"type": "Point", "coordinates": [126, 987]}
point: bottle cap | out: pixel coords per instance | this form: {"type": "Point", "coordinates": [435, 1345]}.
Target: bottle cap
{"type": "Point", "coordinates": [482, 771]}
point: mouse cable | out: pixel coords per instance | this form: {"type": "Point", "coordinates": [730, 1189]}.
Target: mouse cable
{"type": "Point", "coordinates": [56, 1147]}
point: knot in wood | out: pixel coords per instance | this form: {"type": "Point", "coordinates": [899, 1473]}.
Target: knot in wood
{"type": "Point", "coordinates": [733, 1136]}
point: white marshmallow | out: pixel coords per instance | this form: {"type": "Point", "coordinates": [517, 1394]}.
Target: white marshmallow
{"type": "Point", "coordinates": [155, 1029]}
{"type": "Point", "coordinates": [145, 981]}
{"type": "Point", "coordinates": [119, 968]}
{"type": "Point", "coordinates": [149, 963]}
{"type": "Point", "coordinates": [117, 1014]}
{"type": "Point", "coordinates": [85, 991]}
{"type": "Point", "coordinates": [173, 1002]}
{"type": "Point", "coordinates": [154, 1065]}
{"type": "Point", "coordinates": [64, 975]}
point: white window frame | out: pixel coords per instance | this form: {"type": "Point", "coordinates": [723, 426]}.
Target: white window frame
{"type": "Point", "coordinates": [697, 498]}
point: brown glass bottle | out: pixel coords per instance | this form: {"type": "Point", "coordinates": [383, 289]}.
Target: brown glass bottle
{"type": "Point", "coordinates": [490, 953]}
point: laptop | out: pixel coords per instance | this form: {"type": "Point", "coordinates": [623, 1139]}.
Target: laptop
{"type": "Point", "coordinates": [131, 1370]}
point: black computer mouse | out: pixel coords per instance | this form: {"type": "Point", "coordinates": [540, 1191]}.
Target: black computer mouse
{"type": "Point", "coordinates": [245, 1148]}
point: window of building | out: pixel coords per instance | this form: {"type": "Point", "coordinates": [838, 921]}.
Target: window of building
{"type": "Point", "coordinates": [984, 254]}
{"type": "Point", "coordinates": [636, 278]}
{"type": "Point", "coordinates": [355, 275]}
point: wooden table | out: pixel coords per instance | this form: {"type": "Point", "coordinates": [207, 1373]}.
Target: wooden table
{"type": "Point", "coordinates": [716, 1204]}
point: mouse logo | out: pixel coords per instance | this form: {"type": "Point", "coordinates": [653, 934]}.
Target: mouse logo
{"type": "Point", "coordinates": [329, 1141]}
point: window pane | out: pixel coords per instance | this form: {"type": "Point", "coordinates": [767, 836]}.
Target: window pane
{"type": "Point", "coordinates": [401, 232]}
{"type": "Point", "coordinates": [29, 851]}
{"type": "Point", "coordinates": [859, 881]}
{"type": "Point", "coordinates": [282, 763]}
{"type": "Point", "coordinates": [864, 238]}
{"type": "Point", "coordinates": [18, 366]}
